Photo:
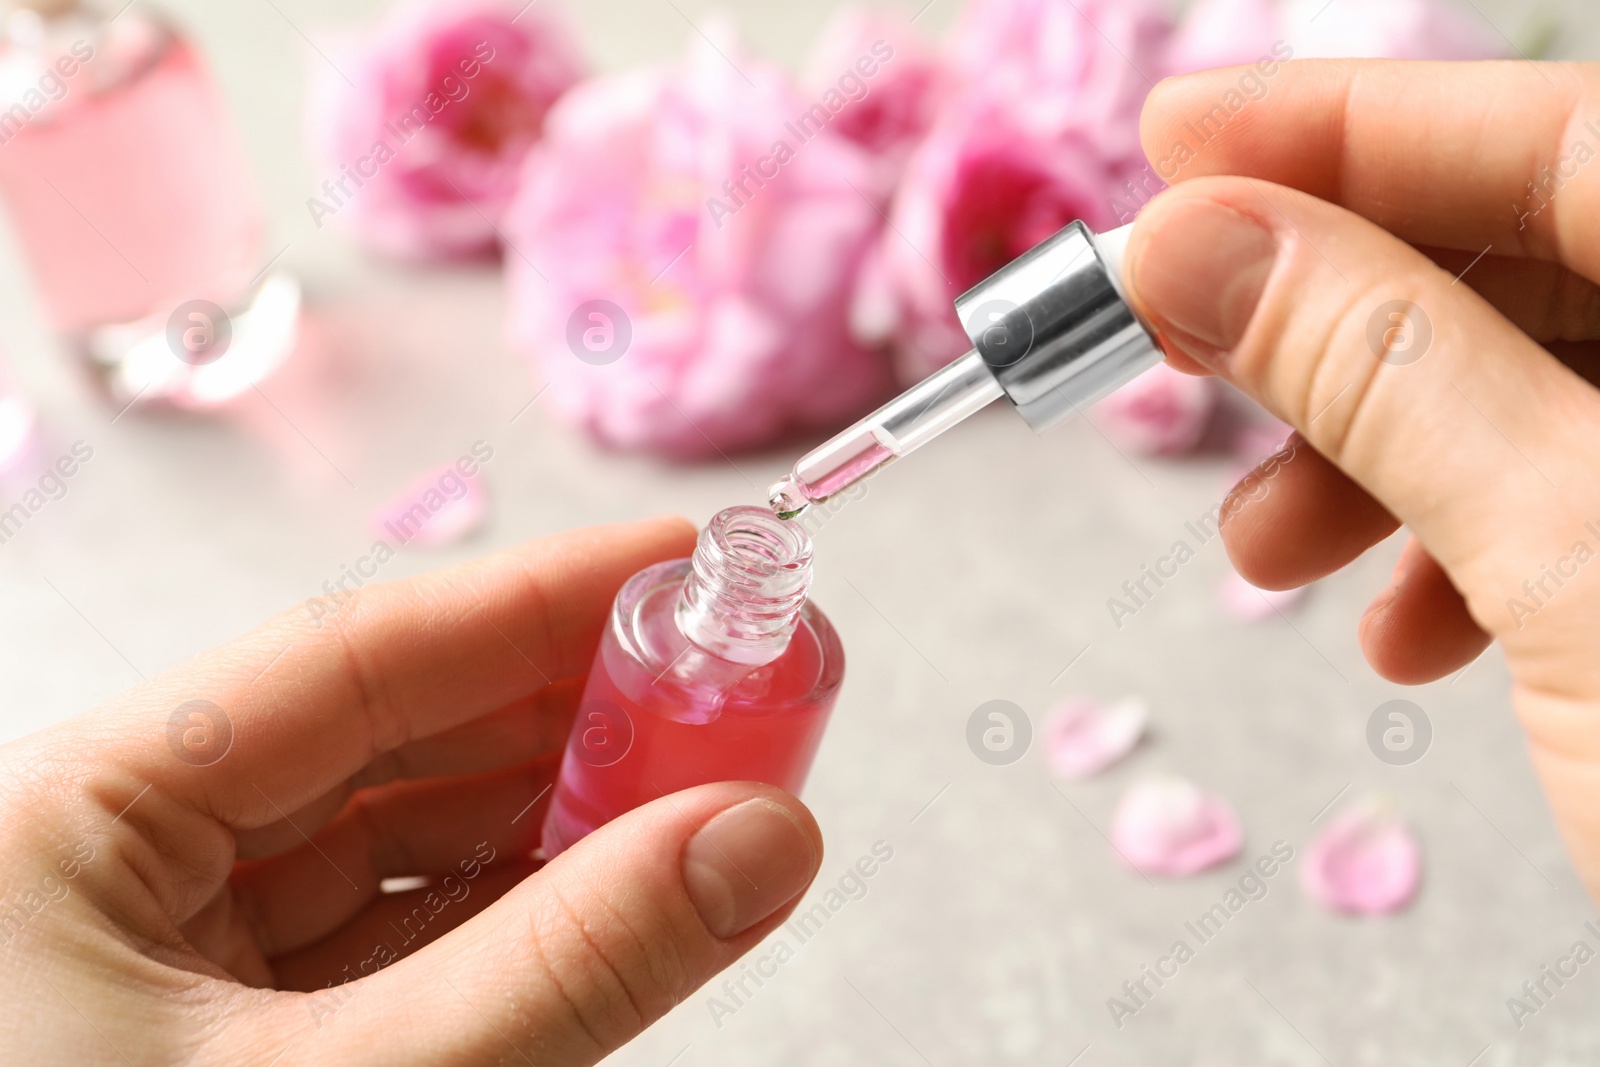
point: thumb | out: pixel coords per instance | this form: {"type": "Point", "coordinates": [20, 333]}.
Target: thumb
{"type": "Point", "coordinates": [1461, 426]}
{"type": "Point", "coordinates": [1415, 387]}
{"type": "Point", "coordinates": [579, 958]}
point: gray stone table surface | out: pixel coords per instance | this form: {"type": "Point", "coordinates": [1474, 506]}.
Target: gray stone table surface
{"type": "Point", "coordinates": [977, 571]}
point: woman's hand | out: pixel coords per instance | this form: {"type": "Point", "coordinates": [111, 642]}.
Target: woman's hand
{"type": "Point", "coordinates": [192, 873]}
{"type": "Point", "coordinates": [1323, 281]}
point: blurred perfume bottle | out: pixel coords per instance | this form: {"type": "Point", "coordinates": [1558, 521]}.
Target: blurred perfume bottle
{"type": "Point", "coordinates": [129, 193]}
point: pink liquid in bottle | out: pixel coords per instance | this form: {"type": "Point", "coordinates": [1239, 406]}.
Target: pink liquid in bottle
{"type": "Point", "coordinates": [870, 458]}
{"type": "Point", "coordinates": [675, 698]}
{"type": "Point", "coordinates": [129, 191]}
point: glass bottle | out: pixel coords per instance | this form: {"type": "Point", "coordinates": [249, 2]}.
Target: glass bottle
{"type": "Point", "coordinates": [713, 668]}
{"type": "Point", "coordinates": [129, 193]}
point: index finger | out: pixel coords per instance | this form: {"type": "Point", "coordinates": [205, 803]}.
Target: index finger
{"type": "Point", "coordinates": [283, 714]}
{"type": "Point", "coordinates": [1447, 155]}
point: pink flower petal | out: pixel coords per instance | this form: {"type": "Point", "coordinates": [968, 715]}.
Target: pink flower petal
{"type": "Point", "coordinates": [1247, 603]}
{"type": "Point", "coordinates": [1366, 861]}
{"type": "Point", "coordinates": [1168, 826]}
{"type": "Point", "coordinates": [441, 507]}
{"type": "Point", "coordinates": [1082, 738]}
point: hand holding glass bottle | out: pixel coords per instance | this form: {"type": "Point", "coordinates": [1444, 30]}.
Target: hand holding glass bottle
{"type": "Point", "coordinates": [214, 841]}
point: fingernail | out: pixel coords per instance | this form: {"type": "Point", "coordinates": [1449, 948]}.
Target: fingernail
{"type": "Point", "coordinates": [745, 864]}
{"type": "Point", "coordinates": [1201, 272]}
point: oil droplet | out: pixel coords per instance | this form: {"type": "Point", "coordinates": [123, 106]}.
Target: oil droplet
{"type": "Point", "coordinates": [787, 498]}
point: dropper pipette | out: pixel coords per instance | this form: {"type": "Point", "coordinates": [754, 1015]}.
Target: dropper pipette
{"type": "Point", "coordinates": [1052, 331]}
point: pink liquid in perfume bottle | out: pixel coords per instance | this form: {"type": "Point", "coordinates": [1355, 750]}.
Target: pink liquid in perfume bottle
{"type": "Point", "coordinates": [649, 723]}
{"type": "Point", "coordinates": [850, 470]}
{"type": "Point", "coordinates": [132, 197]}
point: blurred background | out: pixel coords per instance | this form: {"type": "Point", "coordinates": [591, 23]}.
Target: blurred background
{"type": "Point", "coordinates": [979, 570]}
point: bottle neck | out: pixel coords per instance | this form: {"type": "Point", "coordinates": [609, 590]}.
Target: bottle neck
{"type": "Point", "coordinates": [52, 51]}
{"type": "Point", "coordinates": [747, 583]}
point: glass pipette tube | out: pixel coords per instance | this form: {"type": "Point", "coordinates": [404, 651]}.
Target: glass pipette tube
{"type": "Point", "coordinates": [899, 428]}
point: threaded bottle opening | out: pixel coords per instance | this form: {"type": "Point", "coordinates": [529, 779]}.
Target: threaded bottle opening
{"type": "Point", "coordinates": [746, 585]}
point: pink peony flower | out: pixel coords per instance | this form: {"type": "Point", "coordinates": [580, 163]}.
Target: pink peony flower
{"type": "Point", "coordinates": [1162, 412]}
{"type": "Point", "coordinates": [427, 138]}
{"type": "Point", "coordinates": [1170, 827]}
{"type": "Point", "coordinates": [1365, 861]}
{"type": "Point", "coordinates": [724, 235]}
{"type": "Point", "coordinates": [892, 80]}
{"type": "Point", "coordinates": [1082, 67]}
{"type": "Point", "coordinates": [1247, 603]}
{"type": "Point", "coordinates": [978, 193]}
{"type": "Point", "coordinates": [1083, 738]}
{"type": "Point", "coordinates": [1041, 129]}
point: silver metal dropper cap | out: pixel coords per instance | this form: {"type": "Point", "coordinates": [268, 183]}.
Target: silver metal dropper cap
{"type": "Point", "coordinates": [1052, 332]}
{"type": "Point", "coordinates": [1054, 327]}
